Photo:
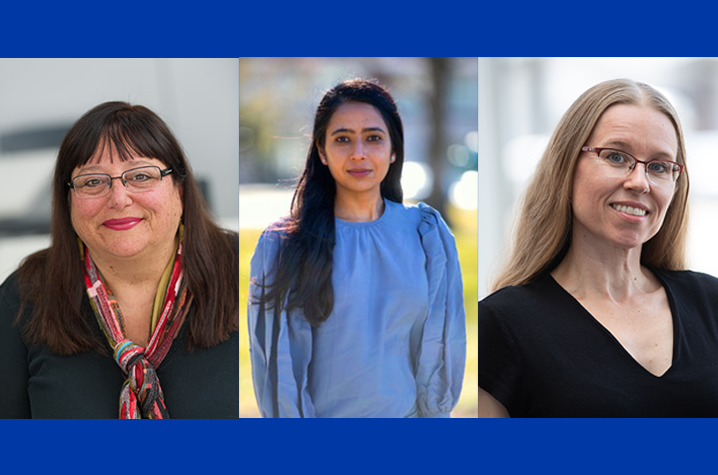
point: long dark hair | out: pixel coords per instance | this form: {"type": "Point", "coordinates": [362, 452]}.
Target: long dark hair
{"type": "Point", "coordinates": [52, 280]}
{"type": "Point", "coordinates": [303, 267]}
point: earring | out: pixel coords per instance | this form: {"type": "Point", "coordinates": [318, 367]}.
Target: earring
{"type": "Point", "coordinates": [393, 158]}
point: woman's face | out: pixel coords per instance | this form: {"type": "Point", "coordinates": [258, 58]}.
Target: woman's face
{"type": "Point", "coordinates": [124, 224]}
{"type": "Point", "coordinates": [600, 200]}
{"type": "Point", "coordinates": [357, 148]}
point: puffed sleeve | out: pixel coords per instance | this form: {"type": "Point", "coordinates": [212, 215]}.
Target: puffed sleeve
{"type": "Point", "coordinates": [442, 355]}
{"type": "Point", "coordinates": [280, 345]}
{"type": "Point", "coordinates": [14, 374]}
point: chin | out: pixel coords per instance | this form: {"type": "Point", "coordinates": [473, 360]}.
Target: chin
{"type": "Point", "coordinates": [124, 254]}
{"type": "Point", "coordinates": [629, 243]}
{"type": "Point", "coordinates": [362, 188]}
{"type": "Point", "coordinates": [121, 251]}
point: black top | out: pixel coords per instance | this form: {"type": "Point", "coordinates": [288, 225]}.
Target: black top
{"type": "Point", "coordinates": [541, 354]}
{"type": "Point", "coordinates": [39, 384]}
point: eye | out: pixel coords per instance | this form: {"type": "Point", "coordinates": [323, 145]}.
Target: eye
{"type": "Point", "coordinates": [140, 177]}
{"type": "Point", "coordinates": [375, 138]}
{"type": "Point", "coordinates": [91, 182]}
{"type": "Point", "coordinates": [342, 139]}
{"type": "Point", "coordinates": [658, 167]}
{"type": "Point", "coordinates": [616, 158]}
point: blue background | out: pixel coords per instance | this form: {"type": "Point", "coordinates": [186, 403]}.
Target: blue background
{"type": "Point", "coordinates": [223, 29]}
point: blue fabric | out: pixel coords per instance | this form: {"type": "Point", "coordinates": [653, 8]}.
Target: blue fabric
{"type": "Point", "coordinates": [395, 343]}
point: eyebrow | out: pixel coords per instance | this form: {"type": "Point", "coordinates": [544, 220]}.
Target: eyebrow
{"type": "Point", "coordinates": [351, 131]}
{"type": "Point", "coordinates": [623, 146]}
{"type": "Point", "coordinates": [135, 164]}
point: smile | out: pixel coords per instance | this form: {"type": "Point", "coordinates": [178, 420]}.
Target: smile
{"type": "Point", "coordinates": [122, 224]}
{"type": "Point", "coordinates": [629, 210]}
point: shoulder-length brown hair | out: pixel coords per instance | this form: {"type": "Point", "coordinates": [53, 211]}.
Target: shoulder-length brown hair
{"type": "Point", "coordinates": [542, 233]}
{"type": "Point", "coordinates": [51, 281]}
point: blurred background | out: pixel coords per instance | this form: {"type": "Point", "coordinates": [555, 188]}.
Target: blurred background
{"type": "Point", "coordinates": [40, 99]}
{"type": "Point", "coordinates": [438, 103]}
{"type": "Point", "coordinates": [521, 101]}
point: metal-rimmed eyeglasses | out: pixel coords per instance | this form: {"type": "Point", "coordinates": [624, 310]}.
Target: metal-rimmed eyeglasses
{"type": "Point", "coordinates": [620, 163]}
{"type": "Point", "coordinates": [136, 180]}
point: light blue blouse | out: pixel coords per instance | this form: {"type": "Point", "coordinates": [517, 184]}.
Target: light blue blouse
{"type": "Point", "coordinates": [395, 343]}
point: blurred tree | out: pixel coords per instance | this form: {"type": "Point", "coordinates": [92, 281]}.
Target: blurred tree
{"type": "Point", "coordinates": [439, 73]}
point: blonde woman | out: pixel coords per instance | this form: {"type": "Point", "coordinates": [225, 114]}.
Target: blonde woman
{"type": "Point", "coordinates": [593, 314]}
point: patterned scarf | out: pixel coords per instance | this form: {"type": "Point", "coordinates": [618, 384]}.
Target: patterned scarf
{"type": "Point", "coordinates": [141, 396]}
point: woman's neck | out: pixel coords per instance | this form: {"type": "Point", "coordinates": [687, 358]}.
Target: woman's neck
{"type": "Point", "coordinates": [358, 207]}
{"type": "Point", "coordinates": [604, 271]}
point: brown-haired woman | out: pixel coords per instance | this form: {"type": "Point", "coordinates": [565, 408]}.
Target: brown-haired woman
{"type": "Point", "coordinates": [593, 314]}
{"type": "Point", "coordinates": [138, 275]}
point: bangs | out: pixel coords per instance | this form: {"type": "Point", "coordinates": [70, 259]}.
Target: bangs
{"type": "Point", "coordinates": [122, 132]}
{"type": "Point", "coordinates": [123, 144]}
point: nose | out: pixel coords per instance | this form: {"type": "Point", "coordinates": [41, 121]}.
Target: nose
{"type": "Point", "coordinates": [637, 179]}
{"type": "Point", "coordinates": [118, 197]}
{"type": "Point", "coordinates": [358, 152]}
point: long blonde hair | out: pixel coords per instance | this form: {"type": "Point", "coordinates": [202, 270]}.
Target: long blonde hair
{"type": "Point", "coordinates": [542, 234]}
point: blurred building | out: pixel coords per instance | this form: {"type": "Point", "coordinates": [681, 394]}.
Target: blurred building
{"type": "Point", "coordinates": [278, 98]}
{"type": "Point", "coordinates": [520, 103]}
{"type": "Point", "coordinates": [40, 99]}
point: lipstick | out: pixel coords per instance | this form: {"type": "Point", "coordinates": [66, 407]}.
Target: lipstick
{"type": "Point", "coordinates": [121, 224]}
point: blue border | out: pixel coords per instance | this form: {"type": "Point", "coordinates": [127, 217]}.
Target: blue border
{"type": "Point", "coordinates": [224, 29]}
{"type": "Point", "coordinates": [323, 28]}
{"type": "Point", "coordinates": [361, 446]}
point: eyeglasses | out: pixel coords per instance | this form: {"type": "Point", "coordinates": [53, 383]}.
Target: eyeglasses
{"type": "Point", "coordinates": [136, 180]}
{"type": "Point", "coordinates": [620, 164]}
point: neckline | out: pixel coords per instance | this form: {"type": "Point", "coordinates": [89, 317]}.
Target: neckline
{"type": "Point", "coordinates": [388, 209]}
{"type": "Point", "coordinates": [621, 348]}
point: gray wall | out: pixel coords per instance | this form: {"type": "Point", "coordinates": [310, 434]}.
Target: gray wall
{"type": "Point", "coordinates": [197, 98]}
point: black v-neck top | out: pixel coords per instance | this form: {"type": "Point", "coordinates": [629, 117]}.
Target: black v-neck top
{"type": "Point", "coordinates": [542, 354]}
{"type": "Point", "coordinates": [36, 383]}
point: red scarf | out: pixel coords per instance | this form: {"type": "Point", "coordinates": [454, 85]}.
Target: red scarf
{"type": "Point", "coordinates": [141, 396]}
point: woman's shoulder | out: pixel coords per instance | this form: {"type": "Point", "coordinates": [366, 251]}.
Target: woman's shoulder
{"type": "Point", "coordinates": [11, 301]}
{"type": "Point", "coordinates": [539, 295]}
{"type": "Point", "coordinates": [424, 212]}
{"type": "Point", "coordinates": [279, 228]}
{"type": "Point", "coordinates": [689, 283]}
{"type": "Point", "coordinates": [423, 216]}
{"type": "Point", "coordinates": [690, 275]}
{"type": "Point", "coordinates": [9, 293]}
{"type": "Point", "coordinates": [269, 242]}
{"type": "Point", "coordinates": [32, 272]}
{"type": "Point", "coordinates": [275, 232]}
{"type": "Point", "coordinates": [435, 234]}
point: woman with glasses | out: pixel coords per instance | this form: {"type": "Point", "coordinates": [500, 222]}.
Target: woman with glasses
{"type": "Point", "coordinates": [594, 314]}
{"type": "Point", "coordinates": [356, 306]}
{"type": "Point", "coordinates": [132, 311]}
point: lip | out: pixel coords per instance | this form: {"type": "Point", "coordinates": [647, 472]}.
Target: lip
{"type": "Point", "coordinates": [122, 224]}
{"type": "Point", "coordinates": [359, 172]}
{"type": "Point", "coordinates": [632, 204]}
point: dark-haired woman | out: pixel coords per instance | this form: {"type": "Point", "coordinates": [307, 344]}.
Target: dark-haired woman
{"type": "Point", "coordinates": [356, 306]}
{"type": "Point", "coordinates": [135, 304]}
